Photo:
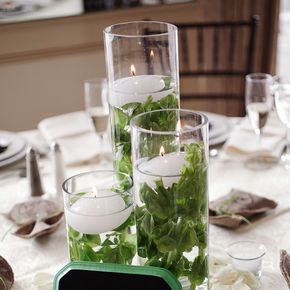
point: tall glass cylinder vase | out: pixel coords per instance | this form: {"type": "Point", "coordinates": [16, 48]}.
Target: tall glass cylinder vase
{"type": "Point", "coordinates": [142, 72]}
{"type": "Point", "coordinates": [170, 160]}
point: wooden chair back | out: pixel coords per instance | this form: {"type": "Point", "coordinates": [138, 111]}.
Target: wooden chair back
{"type": "Point", "coordinates": [214, 58]}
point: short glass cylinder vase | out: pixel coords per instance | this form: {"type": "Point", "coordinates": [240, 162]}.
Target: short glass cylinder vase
{"type": "Point", "coordinates": [143, 75]}
{"type": "Point", "coordinates": [170, 161]}
{"type": "Point", "coordinates": [100, 217]}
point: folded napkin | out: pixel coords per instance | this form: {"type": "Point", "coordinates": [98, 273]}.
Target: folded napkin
{"type": "Point", "coordinates": [74, 133]}
{"type": "Point", "coordinates": [244, 143]}
{"type": "Point", "coordinates": [232, 209]}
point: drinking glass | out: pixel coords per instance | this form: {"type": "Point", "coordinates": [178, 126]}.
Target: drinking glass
{"type": "Point", "coordinates": [142, 72]}
{"type": "Point", "coordinates": [99, 215]}
{"type": "Point", "coordinates": [247, 255]}
{"type": "Point", "coordinates": [259, 100]}
{"type": "Point", "coordinates": [170, 160]}
{"type": "Point", "coordinates": [282, 102]}
{"type": "Point", "coordinates": [96, 104]}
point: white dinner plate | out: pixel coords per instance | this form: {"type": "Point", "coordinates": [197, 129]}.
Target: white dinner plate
{"type": "Point", "coordinates": [15, 144]}
{"type": "Point", "coordinates": [14, 158]}
{"type": "Point", "coordinates": [219, 128]}
{"type": "Point", "coordinates": [17, 8]}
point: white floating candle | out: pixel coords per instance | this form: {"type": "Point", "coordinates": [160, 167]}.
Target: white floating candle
{"type": "Point", "coordinates": [95, 215]}
{"type": "Point", "coordinates": [167, 166]}
{"type": "Point", "coordinates": [138, 89]}
{"type": "Point", "coordinates": [141, 84]}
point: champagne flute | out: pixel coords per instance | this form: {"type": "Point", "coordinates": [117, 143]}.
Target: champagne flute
{"type": "Point", "coordinates": [282, 102]}
{"type": "Point", "coordinates": [259, 100]}
{"type": "Point", "coordinates": [96, 104]}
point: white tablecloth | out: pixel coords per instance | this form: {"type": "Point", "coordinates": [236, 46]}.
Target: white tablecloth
{"type": "Point", "coordinates": [49, 253]}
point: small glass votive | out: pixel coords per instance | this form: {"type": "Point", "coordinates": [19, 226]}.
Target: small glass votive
{"type": "Point", "coordinates": [100, 217]}
{"type": "Point", "coordinates": [247, 255]}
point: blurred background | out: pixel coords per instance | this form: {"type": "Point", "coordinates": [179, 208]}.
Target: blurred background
{"type": "Point", "coordinates": [49, 47]}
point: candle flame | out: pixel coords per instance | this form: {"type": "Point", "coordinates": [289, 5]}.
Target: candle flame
{"type": "Point", "coordinates": [161, 151]}
{"type": "Point", "coordinates": [95, 192]}
{"type": "Point", "coordinates": [178, 126]}
{"type": "Point", "coordinates": [133, 70]}
{"type": "Point", "coordinates": [151, 54]}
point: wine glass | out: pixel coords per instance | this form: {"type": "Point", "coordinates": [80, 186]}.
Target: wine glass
{"type": "Point", "coordinates": [282, 102]}
{"type": "Point", "coordinates": [259, 100]}
{"type": "Point", "coordinates": [96, 104]}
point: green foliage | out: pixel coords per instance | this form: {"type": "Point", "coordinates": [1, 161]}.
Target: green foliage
{"type": "Point", "coordinates": [121, 126]}
{"type": "Point", "coordinates": [173, 220]}
{"type": "Point", "coordinates": [223, 207]}
{"type": "Point", "coordinates": [167, 81]}
{"type": "Point", "coordinates": [119, 246]}
{"type": "Point", "coordinates": [76, 196]}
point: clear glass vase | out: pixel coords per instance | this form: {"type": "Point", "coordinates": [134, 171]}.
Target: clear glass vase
{"type": "Point", "coordinates": [142, 72]}
{"type": "Point", "coordinates": [100, 217]}
{"type": "Point", "coordinates": [170, 161]}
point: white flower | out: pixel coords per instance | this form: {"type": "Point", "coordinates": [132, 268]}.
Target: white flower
{"type": "Point", "coordinates": [224, 276]}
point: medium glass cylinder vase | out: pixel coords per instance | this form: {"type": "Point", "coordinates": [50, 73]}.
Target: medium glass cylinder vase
{"type": "Point", "coordinates": [142, 72]}
{"type": "Point", "coordinates": [170, 161]}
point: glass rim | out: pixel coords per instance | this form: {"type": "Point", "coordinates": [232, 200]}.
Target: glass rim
{"type": "Point", "coordinates": [107, 29]}
{"type": "Point", "coordinates": [95, 80]}
{"type": "Point", "coordinates": [259, 77]}
{"type": "Point", "coordinates": [187, 130]}
{"type": "Point", "coordinates": [259, 245]}
{"type": "Point", "coordinates": [91, 172]}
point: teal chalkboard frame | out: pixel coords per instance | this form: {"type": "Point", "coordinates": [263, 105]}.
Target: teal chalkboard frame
{"type": "Point", "coordinates": [145, 274]}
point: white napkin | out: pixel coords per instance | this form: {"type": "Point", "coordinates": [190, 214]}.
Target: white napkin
{"type": "Point", "coordinates": [74, 133]}
{"type": "Point", "coordinates": [244, 143]}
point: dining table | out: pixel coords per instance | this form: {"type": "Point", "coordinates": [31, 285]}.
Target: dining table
{"type": "Point", "coordinates": [35, 261]}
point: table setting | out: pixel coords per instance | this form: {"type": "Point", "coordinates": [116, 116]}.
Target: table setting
{"type": "Point", "coordinates": [135, 180]}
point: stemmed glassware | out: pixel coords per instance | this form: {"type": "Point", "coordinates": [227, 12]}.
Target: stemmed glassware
{"type": "Point", "coordinates": [97, 107]}
{"type": "Point", "coordinates": [282, 102]}
{"type": "Point", "coordinates": [259, 100]}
